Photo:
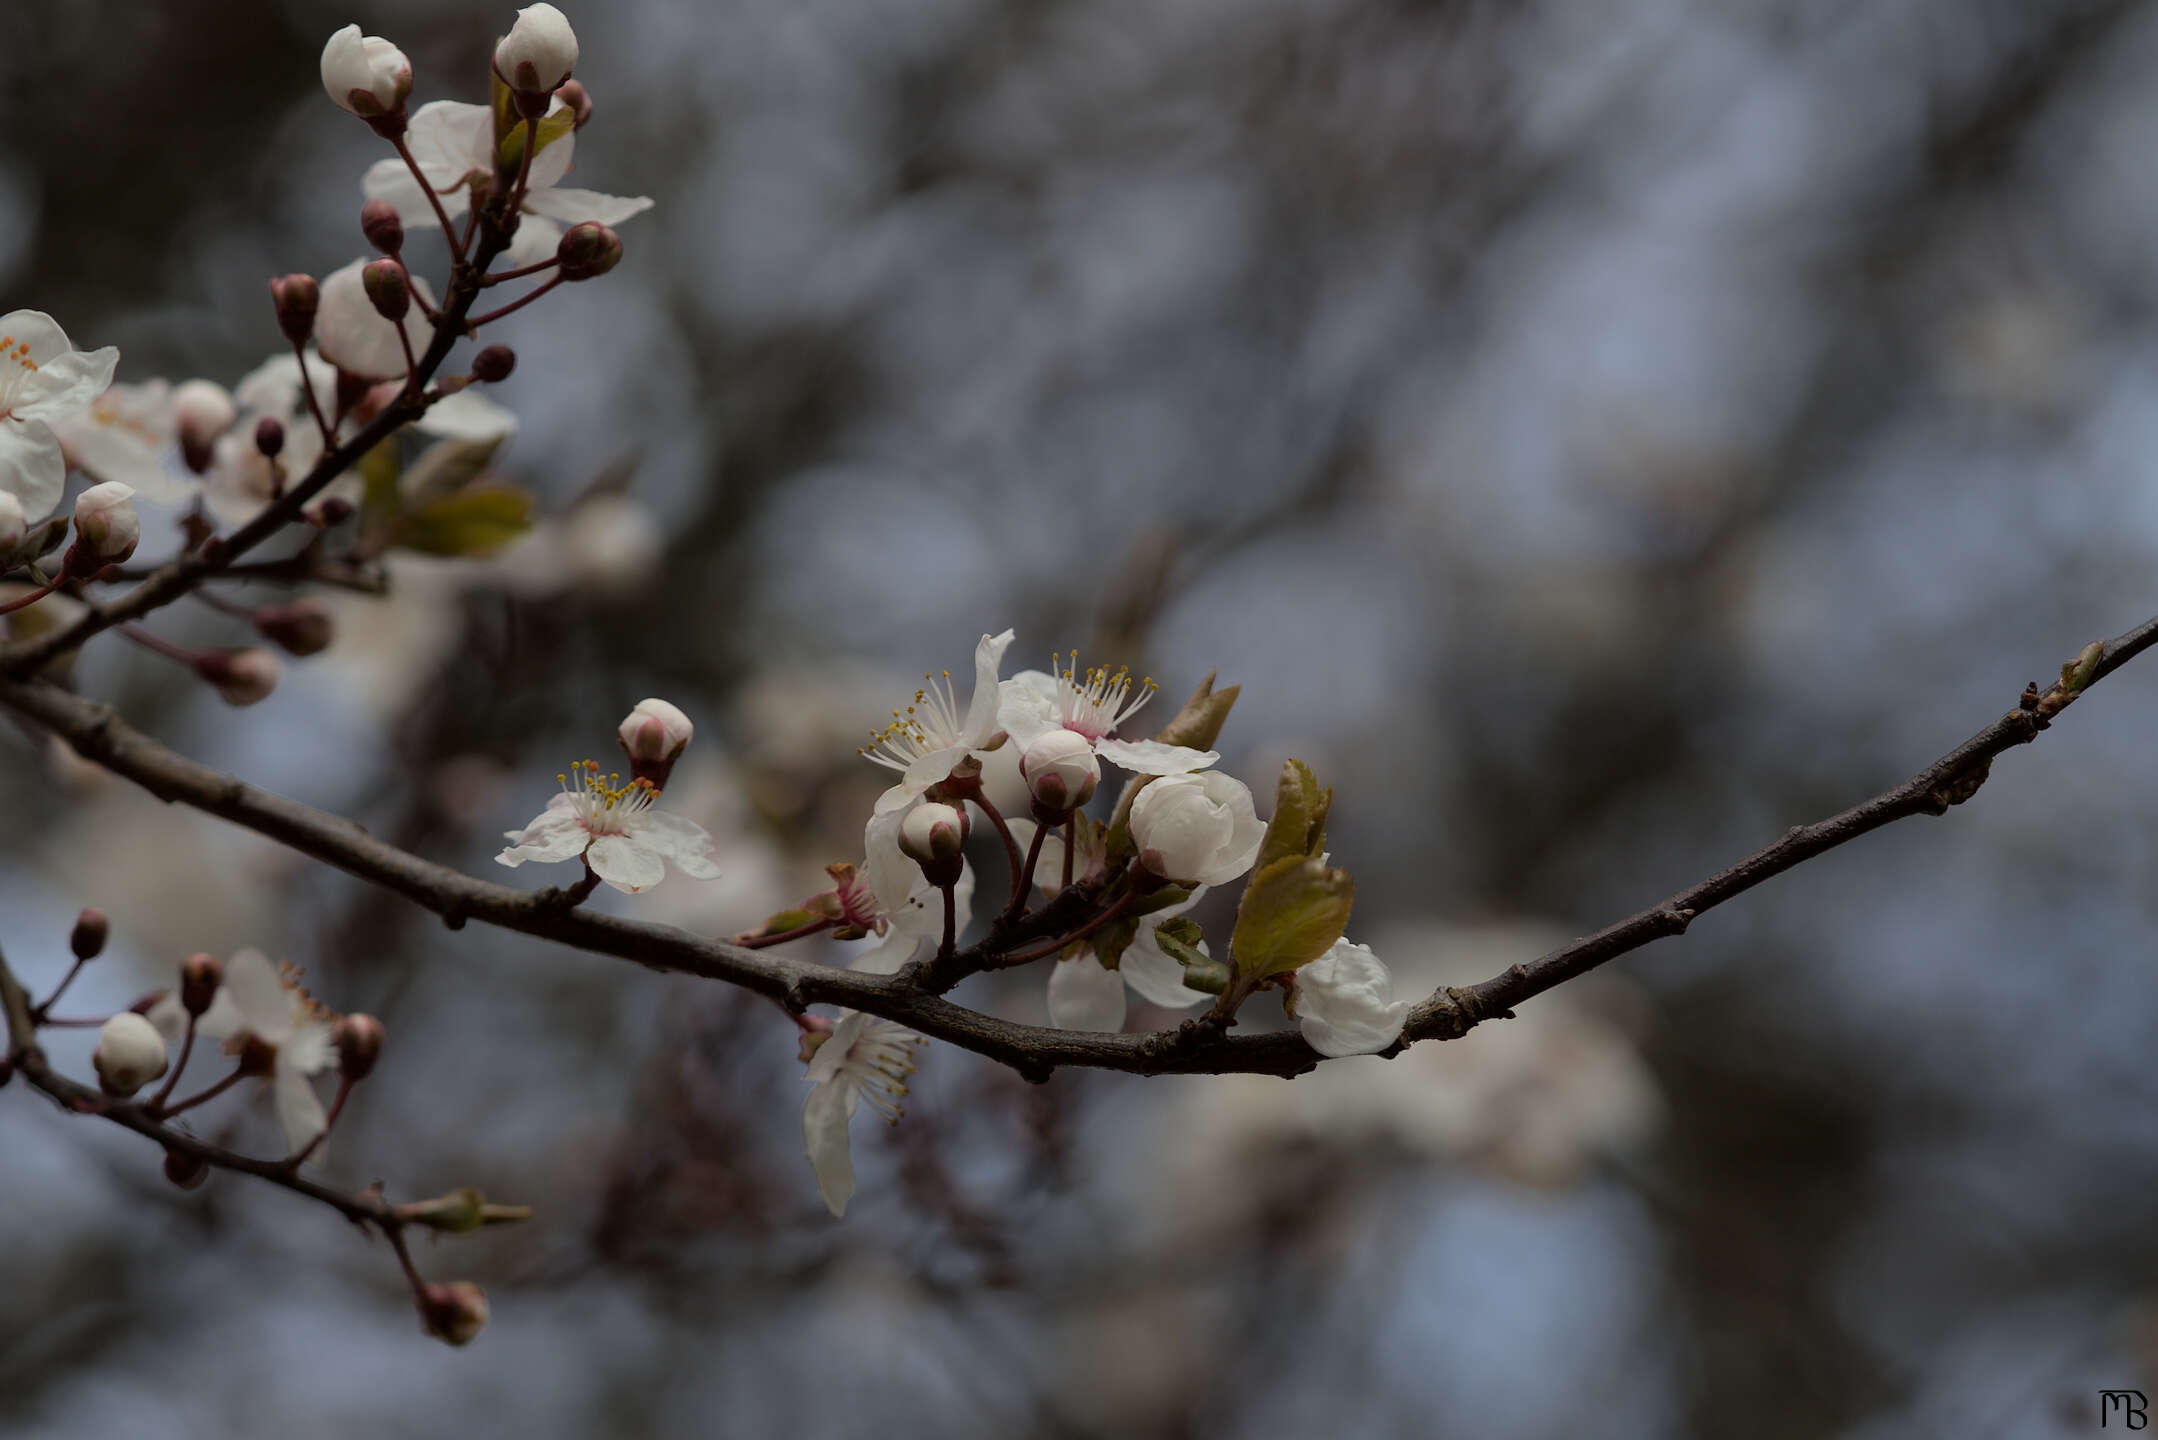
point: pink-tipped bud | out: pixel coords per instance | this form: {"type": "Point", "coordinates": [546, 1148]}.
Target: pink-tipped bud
{"type": "Point", "coordinates": [359, 1042]}
{"type": "Point", "coordinates": [588, 250]}
{"type": "Point", "coordinates": [106, 526]}
{"type": "Point", "coordinates": [539, 52]}
{"type": "Point", "coordinates": [129, 1055]}
{"type": "Point", "coordinates": [366, 74]}
{"type": "Point", "coordinates": [87, 939]}
{"type": "Point", "coordinates": [202, 410]}
{"type": "Point", "coordinates": [387, 289]}
{"type": "Point", "coordinates": [186, 1171]}
{"type": "Point", "coordinates": [455, 1312]}
{"type": "Point", "coordinates": [1060, 770]}
{"type": "Point", "coordinates": [654, 735]}
{"type": "Point", "coordinates": [302, 627]}
{"type": "Point", "coordinates": [383, 227]}
{"type": "Point", "coordinates": [296, 297]}
{"type": "Point", "coordinates": [932, 832]}
{"type": "Point", "coordinates": [577, 100]}
{"type": "Point", "coordinates": [242, 677]}
{"type": "Point", "coordinates": [200, 976]}
{"type": "Point", "coordinates": [270, 436]}
{"type": "Point", "coordinates": [494, 363]}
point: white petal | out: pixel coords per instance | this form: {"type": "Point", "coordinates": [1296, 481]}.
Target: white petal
{"type": "Point", "coordinates": [554, 834]}
{"type": "Point", "coordinates": [1027, 706]}
{"type": "Point", "coordinates": [353, 336]}
{"type": "Point", "coordinates": [553, 160]}
{"type": "Point", "coordinates": [536, 239]}
{"type": "Point", "coordinates": [684, 842]}
{"type": "Point", "coordinates": [391, 180]}
{"type": "Point", "coordinates": [467, 415]}
{"type": "Point", "coordinates": [65, 385]}
{"type": "Point", "coordinates": [922, 916]}
{"type": "Point", "coordinates": [1155, 974]}
{"type": "Point", "coordinates": [1344, 1003]}
{"type": "Point", "coordinates": [887, 956]}
{"type": "Point", "coordinates": [1084, 996]}
{"type": "Point", "coordinates": [1152, 757]}
{"type": "Point", "coordinates": [824, 1136]}
{"type": "Point", "coordinates": [573, 207]}
{"type": "Point", "coordinates": [258, 991]}
{"type": "Point", "coordinates": [311, 1048]}
{"type": "Point", "coordinates": [170, 1018]}
{"type": "Point", "coordinates": [299, 1110]}
{"type": "Point", "coordinates": [1049, 868]}
{"type": "Point", "coordinates": [32, 469]}
{"type": "Point", "coordinates": [935, 767]}
{"type": "Point", "coordinates": [37, 330]}
{"type": "Point", "coordinates": [982, 707]}
{"type": "Point", "coordinates": [624, 864]}
{"type": "Point", "coordinates": [891, 874]}
{"type": "Point", "coordinates": [453, 141]}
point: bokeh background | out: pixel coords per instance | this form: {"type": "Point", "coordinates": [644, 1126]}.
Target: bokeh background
{"type": "Point", "coordinates": [1597, 434]}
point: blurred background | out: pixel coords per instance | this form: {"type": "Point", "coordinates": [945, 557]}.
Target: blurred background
{"type": "Point", "coordinates": [1597, 434]}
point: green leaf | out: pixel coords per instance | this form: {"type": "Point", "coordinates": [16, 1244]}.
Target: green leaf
{"type": "Point", "coordinates": [478, 520]}
{"type": "Point", "coordinates": [509, 152]}
{"type": "Point", "coordinates": [1292, 913]}
{"type": "Point", "coordinates": [444, 468]}
{"type": "Point", "coordinates": [1299, 824]}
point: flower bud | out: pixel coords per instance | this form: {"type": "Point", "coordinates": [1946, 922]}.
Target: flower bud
{"type": "Point", "coordinates": [653, 736]}
{"type": "Point", "coordinates": [359, 1041]}
{"type": "Point", "coordinates": [366, 74]}
{"type": "Point", "coordinates": [296, 298]}
{"type": "Point", "coordinates": [332, 511]}
{"type": "Point", "coordinates": [302, 627]}
{"type": "Point", "coordinates": [539, 52]}
{"type": "Point", "coordinates": [202, 410]}
{"type": "Point", "coordinates": [14, 523]}
{"type": "Point", "coordinates": [932, 832]}
{"type": "Point", "coordinates": [88, 938]}
{"type": "Point", "coordinates": [186, 1171]}
{"type": "Point", "coordinates": [588, 250]}
{"type": "Point", "coordinates": [270, 436]}
{"type": "Point", "coordinates": [454, 1312]}
{"type": "Point", "coordinates": [200, 977]}
{"type": "Point", "coordinates": [460, 1212]}
{"type": "Point", "coordinates": [494, 364]}
{"type": "Point", "coordinates": [384, 281]}
{"type": "Point", "coordinates": [576, 100]}
{"type": "Point", "coordinates": [129, 1055]}
{"type": "Point", "coordinates": [1060, 770]}
{"type": "Point", "coordinates": [106, 525]}
{"type": "Point", "coordinates": [1196, 829]}
{"type": "Point", "coordinates": [383, 227]}
{"type": "Point", "coordinates": [242, 677]}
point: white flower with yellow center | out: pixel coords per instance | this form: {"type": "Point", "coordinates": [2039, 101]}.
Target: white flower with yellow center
{"type": "Point", "coordinates": [616, 829]}
{"type": "Point", "coordinates": [1091, 703]}
{"type": "Point", "coordinates": [43, 378]}
{"type": "Point", "coordinates": [276, 1028]}
{"type": "Point", "coordinates": [927, 740]}
{"type": "Point", "coordinates": [864, 1058]}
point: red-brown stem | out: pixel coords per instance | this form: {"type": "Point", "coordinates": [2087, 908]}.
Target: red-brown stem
{"type": "Point", "coordinates": [167, 1112]}
{"type": "Point", "coordinates": [1004, 833]}
{"type": "Point", "coordinates": [758, 942]}
{"type": "Point", "coordinates": [449, 232]}
{"type": "Point", "coordinates": [38, 1012]}
{"type": "Point", "coordinates": [307, 388]}
{"type": "Point", "coordinates": [412, 361]}
{"type": "Point", "coordinates": [1024, 875]}
{"type": "Point", "coordinates": [24, 601]}
{"type": "Point", "coordinates": [1071, 847]}
{"type": "Point", "coordinates": [515, 305]}
{"type": "Point", "coordinates": [524, 166]}
{"type": "Point", "coordinates": [1051, 947]}
{"type": "Point", "coordinates": [412, 288]}
{"type": "Point", "coordinates": [71, 1022]}
{"type": "Point", "coordinates": [150, 640]}
{"type": "Point", "coordinates": [172, 1077]}
{"type": "Point", "coordinates": [218, 602]}
{"type": "Point", "coordinates": [518, 274]}
{"type": "Point", "coordinates": [951, 924]}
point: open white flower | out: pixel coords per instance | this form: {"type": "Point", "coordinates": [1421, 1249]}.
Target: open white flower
{"type": "Point", "coordinates": [1345, 1002]}
{"type": "Point", "coordinates": [127, 434]}
{"type": "Point", "coordinates": [43, 379]}
{"type": "Point", "coordinates": [1092, 704]}
{"type": "Point", "coordinates": [454, 144]}
{"type": "Point", "coordinates": [1196, 829]}
{"type": "Point", "coordinates": [617, 831]}
{"type": "Point", "coordinates": [1085, 995]}
{"type": "Point", "coordinates": [265, 1018]}
{"type": "Point", "coordinates": [863, 1058]}
{"type": "Point", "coordinates": [926, 741]}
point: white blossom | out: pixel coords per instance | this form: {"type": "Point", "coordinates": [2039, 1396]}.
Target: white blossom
{"type": "Point", "coordinates": [105, 521]}
{"type": "Point", "coordinates": [365, 74]}
{"type": "Point", "coordinates": [1092, 704]}
{"type": "Point", "coordinates": [1345, 1004]}
{"type": "Point", "coordinates": [1086, 995]}
{"type": "Point", "coordinates": [43, 379]}
{"type": "Point", "coordinates": [352, 335]}
{"type": "Point", "coordinates": [127, 434]}
{"type": "Point", "coordinates": [129, 1055]}
{"type": "Point", "coordinates": [617, 831]}
{"type": "Point", "coordinates": [864, 1058]}
{"type": "Point", "coordinates": [927, 740]}
{"type": "Point", "coordinates": [539, 52]}
{"type": "Point", "coordinates": [262, 1005]}
{"type": "Point", "coordinates": [1196, 829]}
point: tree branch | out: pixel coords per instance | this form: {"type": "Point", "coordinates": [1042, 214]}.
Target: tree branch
{"type": "Point", "coordinates": [98, 734]}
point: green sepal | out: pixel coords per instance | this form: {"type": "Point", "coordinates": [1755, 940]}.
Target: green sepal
{"type": "Point", "coordinates": [478, 520]}
{"type": "Point", "coordinates": [1292, 912]}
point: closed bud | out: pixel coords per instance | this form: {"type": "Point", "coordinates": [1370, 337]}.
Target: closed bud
{"type": "Point", "coordinates": [202, 410]}
{"type": "Point", "coordinates": [387, 289]}
{"type": "Point", "coordinates": [335, 510]}
{"type": "Point", "coordinates": [296, 297]}
{"type": "Point", "coordinates": [87, 939]}
{"type": "Point", "coordinates": [576, 100]}
{"type": "Point", "coordinates": [106, 526]}
{"type": "Point", "coordinates": [1060, 770]}
{"type": "Point", "coordinates": [270, 436]}
{"type": "Point", "coordinates": [653, 736]}
{"type": "Point", "coordinates": [494, 364]}
{"type": "Point", "coordinates": [380, 223]}
{"type": "Point", "coordinates": [359, 1042]}
{"type": "Point", "coordinates": [539, 52]}
{"type": "Point", "coordinates": [587, 250]}
{"type": "Point", "coordinates": [932, 832]}
{"type": "Point", "coordinates": [242, 677]}
{"type": "Point", "coordinates": [366, 74]}
{"type": "Point", "coordinates": [1196, 829]}
{"type": "Point", "coordinates": [186, 1171]}
{"type": "Point", "coordinates": [129, 1055]}
{"type": "Point", "coordinates": [455, 1312]}
{"type": "Point", "coordinates": [302, 627]}
{"type": "Point", "coordinates": [14, 523]}
{"type": "Point", "coordinates": [200, 977]}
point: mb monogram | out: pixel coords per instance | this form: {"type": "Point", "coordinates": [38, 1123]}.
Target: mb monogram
{"type": "Point", "coordinates": [2128, 1404]}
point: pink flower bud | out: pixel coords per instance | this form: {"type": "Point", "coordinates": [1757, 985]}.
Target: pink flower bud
{"type": "Point", "coordinates": [539, 52]}
{"type": "Point", "coordinates": [14, 522]}
{"type": "Point", "coordinates": [242, 677]}
{"type": "Point", "coordinates": [88, 938]}
{"type": "Point", "coordinates": [302, 627]}
{"type": "Point", "coordinates": [365, 74]}
{"type": "Point", "coordinates": [384, 281]}
{"type": "Point", "coordinates": [296, 297]}
{"type": "Point", "coordinates": [202, 410]}
{"type": "Point", "coordinates": [588, 250]}
{"type": "Point", "coordinates": [129, 1055]}
{"type": "Point", "coordinates": [653, 736]}
{"type": "Point", "coordinates": [359, 1042]}
{"type": "Point", "coordinates": [932, 832]}
{"type": "Point", "coordinates": [106, 525]}
{"type": "Point", "coordinates": [186, 1171]}
{"type": "Point", "coordinates": [574, 97]}
{"type": "Point", "coordinates": [381, 224]}
{"type": "Point", "coordinates": [454, 1312]}
{"type": "Point", "coordinates": [270, 436]}
{"type": "Point", "coordinates": [494, 364]}
{"type": "Point", "coordinates": [1060, 770]}
{"type": "Point", "coordinates": [200, 976]}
